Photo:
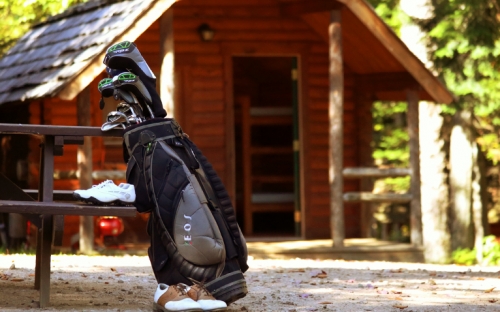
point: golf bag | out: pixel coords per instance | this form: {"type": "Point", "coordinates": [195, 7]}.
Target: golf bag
{"type": "Point", "coordinates": [192, 225]}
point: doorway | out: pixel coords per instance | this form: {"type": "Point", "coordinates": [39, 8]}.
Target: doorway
{"type": "Point", "coordinates": [266, 131]}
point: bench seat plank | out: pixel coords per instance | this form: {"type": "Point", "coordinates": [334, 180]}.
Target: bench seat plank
{"type": "Point", "coordinates": [56, 208]}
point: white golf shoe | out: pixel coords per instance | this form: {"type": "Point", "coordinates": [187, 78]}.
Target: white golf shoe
{"type": "Point", "coordinates": [107, 193]}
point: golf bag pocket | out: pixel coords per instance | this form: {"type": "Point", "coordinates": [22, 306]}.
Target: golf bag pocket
{"type": "Point", "coordinates": [196, 234]}
{"type": "Point", "coordinates": [135, 176]}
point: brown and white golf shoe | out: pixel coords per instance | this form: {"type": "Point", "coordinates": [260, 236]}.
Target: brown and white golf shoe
{"type": "Point", "coordinates": [174, 298]}
{"type": "Point", "coordinates": [201, 295]}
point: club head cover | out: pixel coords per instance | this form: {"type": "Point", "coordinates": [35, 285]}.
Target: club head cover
{"type": "Point", "coordinates": [125, 56]}
{"type": "Point", "coordinates": [133, 83]}
{"type": "Point", "coordinates": [106, 88]}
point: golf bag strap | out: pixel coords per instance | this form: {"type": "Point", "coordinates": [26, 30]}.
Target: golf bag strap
{"type": "Point", "coordinates": [162, 128]}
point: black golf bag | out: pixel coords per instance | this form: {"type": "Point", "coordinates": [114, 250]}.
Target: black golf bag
{"type": "Point", "coordinates": [192, 225]}
{"type": "Point", "coordinates": [193, 228]}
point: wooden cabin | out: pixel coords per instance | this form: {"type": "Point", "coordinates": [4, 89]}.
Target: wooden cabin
{"type": "Point", "coordinates": [275, 93]}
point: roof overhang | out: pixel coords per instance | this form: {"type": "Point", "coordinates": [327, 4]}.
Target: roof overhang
{"type": "Point", "coordinates": [95, 67]}
{"type": "Point", "coordinates": [361, 16]}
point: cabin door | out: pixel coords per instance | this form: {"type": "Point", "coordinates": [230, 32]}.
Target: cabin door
{"type": "Point", "coordinates": [266, 127]}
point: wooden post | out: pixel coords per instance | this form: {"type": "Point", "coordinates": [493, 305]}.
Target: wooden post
{"type": "Point", "coordinates": [167, 73]}
{"type": "Point", "coordinates": [84, 159]}
{"type": "Point", "coordinates": [415, 204]}
{"type": "Point", "coordinates": [336, 115]}
{"type": "Point", "coordinates": [365, 159]}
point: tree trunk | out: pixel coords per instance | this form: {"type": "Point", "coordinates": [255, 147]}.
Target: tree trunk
{"type": "Point", "coordinates": [461, 167]}
{"type": "Point", "coordinates": [477, 205]}
{"type": "Point", "coordinates": [434, 189]}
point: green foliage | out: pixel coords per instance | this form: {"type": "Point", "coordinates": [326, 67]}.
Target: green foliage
{"type": "Point", "coordinates": [464, 256]}
{"type": "Point", "coordinates": [391, 147]}
{"type": "Point", "coordinates": [391, 13]}
{"type": "Point", "coordinates": [391, 137]}
{"type": "Point", "coordinates": [17, 16]}
{"type": "Point", "coordinates": [491, 253]}
{"type": "Point", "coordinates": [464, 45]}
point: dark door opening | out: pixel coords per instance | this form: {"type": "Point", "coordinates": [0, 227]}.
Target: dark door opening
{"type": "Point", "coordinates": [264, 138]}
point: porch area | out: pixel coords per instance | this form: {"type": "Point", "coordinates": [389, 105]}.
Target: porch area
{"type": "Point", "coordinates": [358, 249]}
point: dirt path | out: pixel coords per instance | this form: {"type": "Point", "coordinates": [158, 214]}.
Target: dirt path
{"type": "Point", "coordinates": [82, 283]}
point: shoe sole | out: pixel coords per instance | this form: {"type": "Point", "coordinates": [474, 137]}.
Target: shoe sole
{"type": "Point", "coordinates": [159, 308]}
{"type": "Point", "coordinates": [94, 201]}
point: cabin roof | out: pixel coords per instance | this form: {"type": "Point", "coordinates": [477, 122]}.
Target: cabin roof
{"type": "Point", "coordinates": [53, 53]}
{"type": "Point", "coordinates": [61, 56]}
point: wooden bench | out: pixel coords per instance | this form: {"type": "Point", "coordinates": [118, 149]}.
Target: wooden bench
{"type": "Point", "coordinates": [46, 214]}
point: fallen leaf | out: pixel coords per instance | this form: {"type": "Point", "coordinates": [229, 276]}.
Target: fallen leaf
{"type": "Point", "coordinates": [84, 275]}
{"type": "Point", "coordinates": [492, 300]}
{"type": "Point", "coordinates": [396, 292]}
{"type": "Point", "coordinates": [298, 270]}
{"type": "Point", "coordinates": [489, 290]}
{"type": "Point", "coordinates": [432, 282]}
{"type": "Point", "coordinates": [113, 269]}
{"type": "Point", "coordinates": [325, 302]}
{"type": "Point", "coordinates": [400, 306]}
{"type": "Point", "coordinates": [31, 275]}
{"type": "Point", "coordinates": [480, 278]}
{"type": "Point", "coordinates": [321, 274]}
{"type": "Point", "coordinates": [398, 298]}
{"type": "Point", "coordinates": [17, 279]}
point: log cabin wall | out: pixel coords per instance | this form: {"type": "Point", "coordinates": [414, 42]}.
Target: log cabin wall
{"type": "Point", "coordinates": [204, 98]}
{"type": "Point", "coordinates": [204, 91]}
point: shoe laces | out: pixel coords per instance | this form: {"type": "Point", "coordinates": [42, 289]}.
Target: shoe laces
{"type": "Point", "coordinates": [102, 184]}
{"type": "Point", "coordinates": [181, 289]}
{"type": "Point", "coordinates": [201, 287]}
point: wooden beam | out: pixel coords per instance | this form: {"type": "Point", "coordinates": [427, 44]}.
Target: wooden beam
{"type": "Point", "coordinates": [310, 6]}
{"type": "Point", "coordinates": [377, 198]}
{"type": "Point", "coordinates": [415, 205]}
{"type": "Point", "coordinates": [358, 173]}
{"type": "Point", "coordinates": [96, 67]}
{"type": "Point", "coordinates": [336, 132]}
{"type": "Point", "coordinates": [167, 72]}
{"type": "Point", "coordinates": [364, 134]}
{"type": "Point", "coordinates": [399, 50]}
{"type": "Point", "coordinates": [378, 82]}
{"type": "Point", "coordinates": [84, 161]}
{"type": "Point", "coordinates": [66, 209]}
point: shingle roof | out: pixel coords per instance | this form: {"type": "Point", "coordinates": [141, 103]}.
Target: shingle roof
{"type": "Point", "coordinates": [53, 52]}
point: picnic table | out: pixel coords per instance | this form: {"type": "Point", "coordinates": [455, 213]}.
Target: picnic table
{"type": "Point", "coordinates": [45, 213]}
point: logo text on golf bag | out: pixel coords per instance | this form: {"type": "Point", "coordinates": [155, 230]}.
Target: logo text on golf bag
{"type": "Point", "coordinates": [187, 228]}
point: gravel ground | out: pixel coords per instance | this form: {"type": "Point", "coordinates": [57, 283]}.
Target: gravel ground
{"type": "Point", "coordinates": [126, 283]}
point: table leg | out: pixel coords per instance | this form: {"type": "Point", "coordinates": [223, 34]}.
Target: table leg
{"type": "Point", "coordinates": [45, 194]}
{"type": "Point", "coordinates": [38, 257]}
{"type": "Point", "coordinates": [47, 228]}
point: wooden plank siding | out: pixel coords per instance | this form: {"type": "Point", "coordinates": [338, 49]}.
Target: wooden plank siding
{"type": "Point", "coordinates": [204, 98]}
{"type": "Point", "coordinates": [256, 28]}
